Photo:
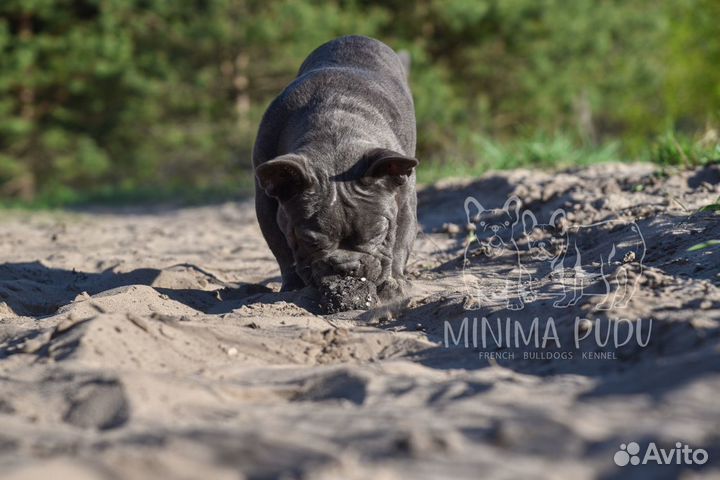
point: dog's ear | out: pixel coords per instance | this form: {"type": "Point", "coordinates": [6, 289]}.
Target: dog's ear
{"type": "Point", "coordinates": [558, 219]}
{"type": "Point", "coordinates": [384, 163]}
{"type": "Point", "coordinates": [283, 177]}
{"type": "Point", "coordinates": [470, 204]}
{"type": "Point", "coordinates": [529, 222]}
{"type": "Point", "coordinates": [512, 206]}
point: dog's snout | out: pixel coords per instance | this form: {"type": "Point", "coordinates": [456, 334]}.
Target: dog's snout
{"type": "Point", "coordinates": [495, 228]}
{"type": "Point", "coordinates": [347, 263]}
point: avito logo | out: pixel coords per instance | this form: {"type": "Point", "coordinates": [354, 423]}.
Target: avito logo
{"type": "Point", "coordinates": [680, 455]}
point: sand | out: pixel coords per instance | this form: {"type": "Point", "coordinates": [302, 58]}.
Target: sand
{"type": "Point", "coordinates": [152, 343]}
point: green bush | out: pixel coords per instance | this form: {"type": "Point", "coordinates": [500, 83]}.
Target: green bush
{"type": "Point", "coordinates": [110, 97]}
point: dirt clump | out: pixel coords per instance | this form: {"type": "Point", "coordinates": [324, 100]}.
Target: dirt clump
{"type": "Point", "coordinates": [340, 294]}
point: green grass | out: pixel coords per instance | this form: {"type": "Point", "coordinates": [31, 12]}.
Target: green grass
{"type": "Point", "coordinates": [704, 245]}
{"type": "Point", "coordinates": [475, 156]}
{"type": "Point", "coordinates": [481, 154]}
{"type": "Point", "coordinates": [679, 150]}
{"type": "Point", "coordinates": [134, 195]}
{"type": "Point", "coordinates": [543, 152]}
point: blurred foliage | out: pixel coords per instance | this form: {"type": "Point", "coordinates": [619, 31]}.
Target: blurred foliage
{"type": "Point", "coordinates": [673, 149]}
{"type": "Point", "coordinates": [116, 96]}
{"type": "Point", "coordinates": [539, 151]}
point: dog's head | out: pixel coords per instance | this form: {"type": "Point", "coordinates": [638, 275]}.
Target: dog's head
{"type": "Point", "coordinates": [494, 227]}
{"type": "Point", "coordinates": [340, 227]}
{"type": "Point", "coordinates": [544, 242]}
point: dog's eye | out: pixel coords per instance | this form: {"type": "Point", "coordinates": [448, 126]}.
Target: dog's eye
{"type": "Point", "coordinates": [507, 224]}
{"type": "Point", "coordinates": [482, 224]}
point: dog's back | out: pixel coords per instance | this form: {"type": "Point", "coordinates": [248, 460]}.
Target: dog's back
{"type": "Point", "coordinates": [357, 52]}
{"type": "Point", "coordinates": [350, 92]}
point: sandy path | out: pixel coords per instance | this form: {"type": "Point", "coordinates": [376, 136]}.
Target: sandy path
{"type": "Point", "coordinates": [151, 344]}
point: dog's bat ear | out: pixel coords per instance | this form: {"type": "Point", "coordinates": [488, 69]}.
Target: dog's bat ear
{"type": "Point", "coordinates": [557, 218]}
{"type": "Point", "coordinates": [512, 205]}
{"type": "Point", "coordinates": [384, 163]}
{"type": "Point", "coordinates": [283, 177]}
{"type": "Point", "coordinates": [471, 202]}
{"type": "Point", "coordinates": [529, 221]}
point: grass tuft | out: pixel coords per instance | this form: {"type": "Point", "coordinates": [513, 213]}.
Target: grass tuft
{"type": "Point", "coordinates": [540, 151]}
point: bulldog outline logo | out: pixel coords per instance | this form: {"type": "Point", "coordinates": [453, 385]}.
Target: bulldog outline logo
{"type": "Point", "coordinates": [552, 260]}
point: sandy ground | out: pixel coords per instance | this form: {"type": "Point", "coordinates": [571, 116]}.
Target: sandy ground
{"type": "Point", "coordinates": [151, 344]}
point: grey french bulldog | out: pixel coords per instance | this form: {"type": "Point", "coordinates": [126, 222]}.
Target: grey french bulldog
{"type": "Point", "coordinates": [335, 169]}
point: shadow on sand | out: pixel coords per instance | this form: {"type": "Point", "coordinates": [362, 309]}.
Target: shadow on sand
{"type": "Point", "coordinates": [35, 290]}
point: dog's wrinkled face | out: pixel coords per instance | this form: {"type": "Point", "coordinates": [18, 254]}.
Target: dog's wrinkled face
{"type": "Point", "coordinates": [544, 241]}
{"type": "Point", "coordinates": [337, 231]}
{"type": "Point", "coordinates": [494, 228]}
{"type": "Point", "coordinates": [339, 227]}
{"type": "Point", "coordinates": [495, 224]}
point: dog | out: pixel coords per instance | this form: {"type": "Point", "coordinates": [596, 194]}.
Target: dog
{"type": "Point", "coordinates": [579, 265]}
{"type": "Point", "coordinates": [495, 235]}
{"type": "Point", "coordinates": [335, 165]}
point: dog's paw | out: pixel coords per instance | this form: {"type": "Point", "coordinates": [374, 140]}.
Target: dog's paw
{"type": "Point", "coordinates": [515, 305]}
{"type": "Point", "coordinates": [393, 288]}
{"type": "Point", "coordinates": [529, 297]}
